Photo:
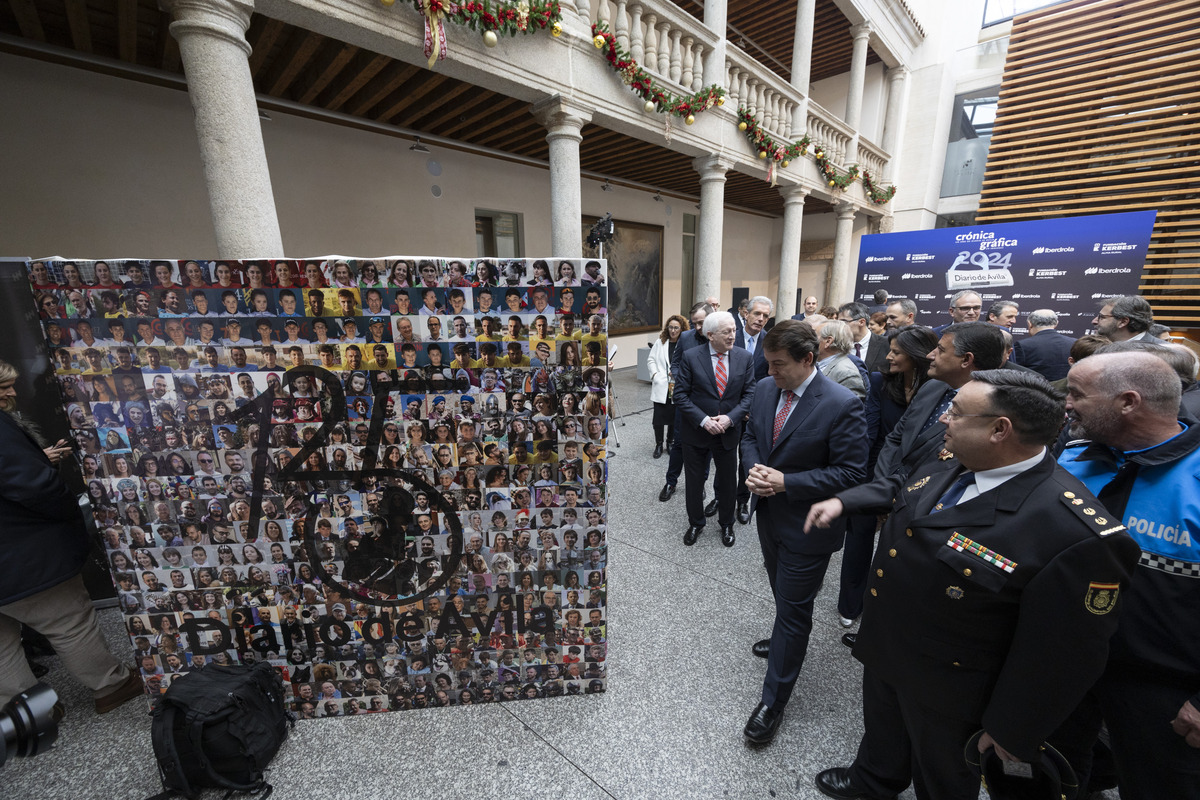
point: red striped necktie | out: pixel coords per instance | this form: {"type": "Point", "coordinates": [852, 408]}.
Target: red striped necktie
{"type": "Point", "coordinates": [721, 376]}
{"type": "Point", "coordinates": [782, 415]}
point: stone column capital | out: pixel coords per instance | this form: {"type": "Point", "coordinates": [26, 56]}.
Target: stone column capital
{"type": "Point", "coordinates": [794, 195]}
{"type": "Point", "coordinates": [562, 116]}
{"type": "Point", "coordinates": [845, 210]}
{"type": "Point", "coordinates": [712, 167]}
{"type": "Point", "coordinates": [223, 19]}
{"type": "Point", "coordinates": [897, 73]}
{"type": "Point", "coordinates": [862, 30]}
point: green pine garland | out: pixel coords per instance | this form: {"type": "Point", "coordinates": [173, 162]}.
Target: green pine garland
{"type": "Point", "coordinates": [684, 106]}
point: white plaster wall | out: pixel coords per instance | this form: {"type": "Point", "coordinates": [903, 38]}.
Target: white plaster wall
{"type": "Point", "coordinates": [830, 94]}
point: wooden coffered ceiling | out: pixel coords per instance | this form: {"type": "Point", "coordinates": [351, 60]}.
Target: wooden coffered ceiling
{"type": "Point", "coordinates": [304, 67]}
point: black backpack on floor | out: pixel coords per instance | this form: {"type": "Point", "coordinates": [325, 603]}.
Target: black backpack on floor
{"type": "Point", "coordinates": [219, 726]}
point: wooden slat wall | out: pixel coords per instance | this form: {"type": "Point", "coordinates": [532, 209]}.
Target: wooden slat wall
{"type": "Point", "coordinates": [1099, 113]}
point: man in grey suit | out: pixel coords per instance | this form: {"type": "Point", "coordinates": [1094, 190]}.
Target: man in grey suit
{"type": "Point", "coordinates": [1045, 350]}
{"type": "Point", "coordinates": [964, 348]}
{"type": "Point", "coordinates": [806, 437]}
{"type": "Point", "coordinates": [870, 348]}
{"type": "Point", "coordinates": [713, 391]}
{"type": "Point", "coordinates": [834, 357]}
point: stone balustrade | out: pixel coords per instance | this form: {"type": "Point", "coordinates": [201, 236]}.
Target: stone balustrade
{"type": "Point", "coordinates": [665, 40]}
{"type": "Point", "coordinates": [771, 99]}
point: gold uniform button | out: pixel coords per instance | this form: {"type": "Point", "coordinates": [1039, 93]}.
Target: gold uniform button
{"type": "Point", "coordinates": [892, 552]}
{"type": "Point", "coordinates": [874, 593]}
{"type": "Point", "coordinates": [967, 572]}
{"type": "Point", "coordinates": [958, 663]}
{"type": "Point", "coordinates": [908, 531]}
{"type": "Point", "coordinates": [879, 573]}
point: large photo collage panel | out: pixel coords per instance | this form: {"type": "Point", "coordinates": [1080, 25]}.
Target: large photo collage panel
{"type": "Point", "coordinates": [387, 477]}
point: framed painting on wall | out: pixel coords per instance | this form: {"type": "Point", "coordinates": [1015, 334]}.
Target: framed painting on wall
{"type": "Point", "coordinates": [634, 275]}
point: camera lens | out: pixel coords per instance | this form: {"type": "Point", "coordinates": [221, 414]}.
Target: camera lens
{"type": "Point", "coordinates": [27, 723]}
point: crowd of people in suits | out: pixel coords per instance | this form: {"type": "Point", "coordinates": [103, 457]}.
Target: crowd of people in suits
{"type": "Point", "coordinates": [1020, 516]}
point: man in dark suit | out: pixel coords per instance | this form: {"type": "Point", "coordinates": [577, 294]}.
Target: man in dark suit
{"type": "Point", "coordinates": [750, 338]}
{"type": "Point", "coordinates": [811, 304]}
{"type": "Point", "coordinates": [713, 391]}
{"type": "Point", "coordinates": [687, 340]}
{"type": "Point", "coordinates": [806, 437]}
{"type": "Point", "coordinates": [870, 348]}
{"type": "Point", "coordinates": [1045, 350]}
{"type": "Point", "coordinates": [991, 598]}
{"type": "Point", "coordinates": [965, 306]}
{"type": "Point", "coordinates": [964, 348]}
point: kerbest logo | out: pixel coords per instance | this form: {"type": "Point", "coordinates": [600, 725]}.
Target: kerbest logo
{"type": "Point", "coordinates": [1113, 247]}
{"type": "Point", "coordinates": [1063, 296]}
{"type": "Point", "coordinates": [1037, 251]}
{"type": "Point", "coordinates": [874, 278]}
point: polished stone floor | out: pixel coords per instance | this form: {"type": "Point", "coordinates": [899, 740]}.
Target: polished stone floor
{"type": "Point", "coordinates": [681, 683]}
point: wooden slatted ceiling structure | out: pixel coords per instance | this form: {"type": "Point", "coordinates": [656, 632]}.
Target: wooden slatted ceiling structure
{"type": "Point", "coordinates": [1099, 113]}
{"type": "Point", "coordinates": [766, 31]}
{"type": "Point", "coordinates": [295, 64]}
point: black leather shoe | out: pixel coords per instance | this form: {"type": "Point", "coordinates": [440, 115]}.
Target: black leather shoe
{"type": "Point", "coordinates": [693, 533]}
{"type": "Point", "coordinates": [710, 510]}
{"type": "Point", "coordinates": [849, 639]}
{"type": "Point", "coordinates": [836, 783]}
{"type": "Point", "coordinates": [744, 513]}
{"type": "Point", "coordinates": [727, 537]}
{"type": "Point", "coordinates": [666, 493]}
{"type": "Point", "coordinates": [762, 648]}
{"type": "Point", "coordinates": [763, 725]}
{"type": "Point", "coordinates": [658, 451]}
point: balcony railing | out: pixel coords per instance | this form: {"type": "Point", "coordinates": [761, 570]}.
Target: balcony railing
{"type": "Point", "coordinates": [665, 40]}
{"type": "Point", "coordinates": [769, 97]}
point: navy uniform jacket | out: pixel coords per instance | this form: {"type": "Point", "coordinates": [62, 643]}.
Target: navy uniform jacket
{"type": "Point", "coordinates": [821, 450]}
{"type": "Point", "coordinates": [1013, 646]}
{"type": "Point", "coordinates": [696, 396]}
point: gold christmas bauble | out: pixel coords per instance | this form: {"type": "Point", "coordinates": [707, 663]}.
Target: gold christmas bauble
{"type": "Point", "coordinates": [762, 153]}
{"type": "Point", "coordinates": [556, 30]}
{"type": "Point", "coordinates": [786, 162]}
{"type": "Point", "coordinates": [490, 39]}
{"type": "Point", "coordinates": [721, 101]}
{"type": "Point", "coordinates": [598, 41]}
{"type": "Point", "coordinates": [831, 183]}
{"type": "Point", "coordinates": [388, 3]}
{"type": "Point", "coordinates": [690, 119]}
{"type": "Point", "coordinates": [741, 126]}
{"type": "Point", "coordinates": [650, 106]}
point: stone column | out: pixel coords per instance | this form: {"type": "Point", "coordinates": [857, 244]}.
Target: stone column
{"type": "Point", "coordinates": [893, 119]}
{"type": "Point", "coordinates": [564, 119]}
{"type": "Point", "coordinates": [214, 52]}
{"type": "Point", "coordinates": [841, 282]}
{"type": "Point", "coordinates": [709, 232]}
{"type": "Point", "coordinates": [858, 76]}
{"type": "Point", "coordinates": [789, 258]}
{"type": "Point", "coordinates": [715, 16]}
{"type": "Point", "coordinates": [802, 62]}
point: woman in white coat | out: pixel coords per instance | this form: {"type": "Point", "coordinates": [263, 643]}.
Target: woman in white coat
{"type": "Point", "coordinates": [660, 380]}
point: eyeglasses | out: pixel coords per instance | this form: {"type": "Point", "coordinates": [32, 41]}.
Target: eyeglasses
{"type": "Point", "coordinates": [968, 308]}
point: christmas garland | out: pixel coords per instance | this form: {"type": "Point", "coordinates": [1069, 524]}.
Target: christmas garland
{"type": "Point", "coordinates": [779, 153]}
{"type": "Point", "coordinates": [524, 16]}
{"type": "Point", "coordinates": [656, 97]}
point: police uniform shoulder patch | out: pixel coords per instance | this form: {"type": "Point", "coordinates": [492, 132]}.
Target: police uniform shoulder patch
{"type": "Point", "coordinates": [1101, 598]}
{"type": "Point", "coordinates": [1092, 513]}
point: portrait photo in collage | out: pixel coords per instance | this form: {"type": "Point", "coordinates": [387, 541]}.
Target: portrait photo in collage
{"type": "Point", "coordinates": [387, 477]}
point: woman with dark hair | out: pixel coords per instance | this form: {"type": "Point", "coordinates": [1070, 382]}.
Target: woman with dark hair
{"type": "Point", "coordinates": [908, 368]}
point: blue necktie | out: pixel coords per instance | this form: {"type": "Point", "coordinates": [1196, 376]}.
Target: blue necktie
{"type": "Point", "coordinates": [942, 407]}
{"type": "Point", "coordinates": [954, 493]}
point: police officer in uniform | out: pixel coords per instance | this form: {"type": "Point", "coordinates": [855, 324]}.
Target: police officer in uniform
{"type": "Point", "coordinates": [992, 597]}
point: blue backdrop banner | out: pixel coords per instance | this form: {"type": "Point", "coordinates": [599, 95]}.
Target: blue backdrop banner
{"type": "Point", "coordinates": [1067, 265]}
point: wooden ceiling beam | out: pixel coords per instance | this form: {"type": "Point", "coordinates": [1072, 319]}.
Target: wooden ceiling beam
{"type": "Point", "coordinates": [481, 98]}
{"type": "Point", "coordinates": [77, 21]}
{"type": "Point", "coordinates": [365, 67]}
{"type": "Point", "coordinates": [419, 117]}
{"type": "Point", "coordinates": [28, 20]}
{"type": "Point", "coordinates": [262, 41]}
{"type": "Point", "coordinates": [407, 96]}
{"type": "Point", "coordinates": [326, 68]}
{"type": "Point", "coordinates": [300, 48]}
{"type": "Point", "coordinates": [127, 30]}
{"type": "Point", "coordinates": [504, 113]}
{"type": "Point", "coordinates": [380, 87]}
